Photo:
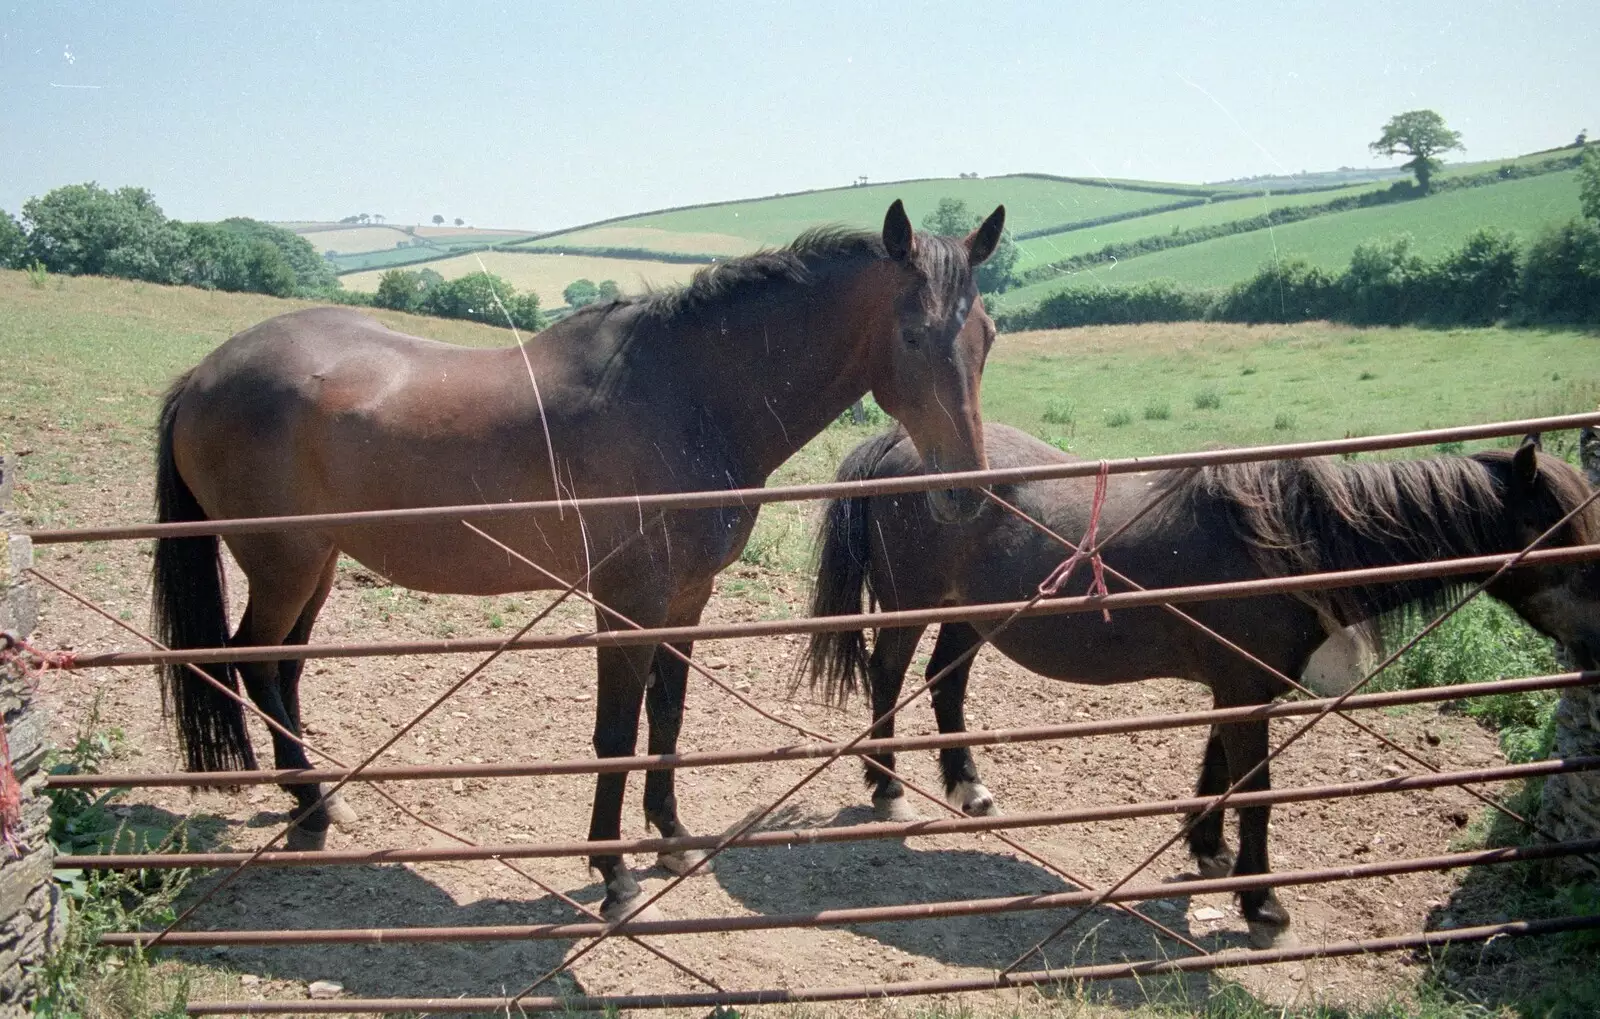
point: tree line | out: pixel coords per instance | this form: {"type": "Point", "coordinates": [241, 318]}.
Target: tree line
{"type": "Point", "coordinates": [86, 230]}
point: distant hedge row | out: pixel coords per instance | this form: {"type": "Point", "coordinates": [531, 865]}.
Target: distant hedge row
{"type": "Point", "coordinates": [1490, 278]}
{"type": "Point", "coordinates": [477, 297]}
{"type": "Point", "coordinates": [1400, 191]}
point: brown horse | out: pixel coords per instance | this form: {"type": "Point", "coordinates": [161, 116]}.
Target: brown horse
{"type": "Point", "coordinates": [1219, 524]}
{"type": "Point", "coordinates": [710, 386]}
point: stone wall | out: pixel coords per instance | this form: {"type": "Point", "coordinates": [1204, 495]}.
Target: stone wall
{"type": "Point", "coordinates": [29, 905]}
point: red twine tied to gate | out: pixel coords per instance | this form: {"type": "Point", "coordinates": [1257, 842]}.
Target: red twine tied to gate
{"type": "Point", "coordinates": [30, 663]}
{"type": "Point", "coordinates": [1088, 549]}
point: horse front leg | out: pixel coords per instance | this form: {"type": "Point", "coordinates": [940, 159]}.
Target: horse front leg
{"type": "Point", "coordinates": [961, 785]}
{"type": "Point", "coordinates": [664, 707]}
{"type": "Point", "coordinates": [1212, 856]}
{"type": "Point", "coordinates": [1246, 746]}
{"type": "Point", "coordinates": [886, 674]}
{"type": "Point", "coordinates": [623, 673]}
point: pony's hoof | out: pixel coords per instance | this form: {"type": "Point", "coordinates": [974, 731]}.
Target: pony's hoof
{"type": "Point", "coordinates": [974, 799]}
{"type": "Point", "coordinates": [339, 810]}
{"type": "Point", "coordinates": [895, 808]}
{"type": "Point", "coordinates": [1218, 864]}
{"type": "Point", "coordinates": [303, 840]}
{"type": "Point", "coordinates": [614, 912]}
{"type": "Point", "coordinates": [680, 863]}
{"type": "Point", "coordinates": [1265, 934]}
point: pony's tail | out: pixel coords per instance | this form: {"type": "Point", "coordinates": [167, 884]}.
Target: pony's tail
{"type": "Point", "coordinates": [190, 610]}
{"type": "Point", "coordinates": [837, 661]}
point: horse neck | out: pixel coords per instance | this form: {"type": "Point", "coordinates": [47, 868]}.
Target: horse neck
{"type": "Point", "coordinates": [779, 370]}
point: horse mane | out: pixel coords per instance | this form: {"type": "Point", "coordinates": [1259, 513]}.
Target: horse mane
{"type": "Point", "coordinates": [941, 260]}
{"type": "Point", "coordinates": [1319, 515]}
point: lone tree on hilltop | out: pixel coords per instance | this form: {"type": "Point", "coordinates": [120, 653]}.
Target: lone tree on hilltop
{"type": "Point", "coordinates": [460, 221]}
{"type": "Point", "coordinates": [1420, 134]}
{"type": "Point", "coordinates": [438, 220]}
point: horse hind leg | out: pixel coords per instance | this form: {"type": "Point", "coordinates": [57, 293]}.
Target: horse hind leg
{"type": "Point", "coordinates": [289, 672]}
{"type": "Point", "coordinates": [962, 788]}
{"type": "Point", "coordinates": [285, 582]}
{"type": "Point", "coordinates": [886, 674]}
{"type": "Point", "coordinates": [1211, 853]}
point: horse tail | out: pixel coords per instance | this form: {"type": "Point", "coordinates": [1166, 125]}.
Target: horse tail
{"type": "Point", "coordinates": [190, 610]}
{"type": "Point", "coordinates": [838, 660]}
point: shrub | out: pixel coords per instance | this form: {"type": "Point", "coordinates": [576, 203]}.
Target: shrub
{"type": "Point", "coordinates": [12, 242]}
{"type": "Point", "coordinates": [1386, 284]}
{"type": "Point", "coordinates": [399, 290]}
{"type": "Point", "coordinates": [482, 297]}
{"type": "Point", "coordinates": [1118, 418]}
{"type": "Point", "coordinates": [1289, 290]}
{"type": "Point", "coordinates": [1157, 301]}
{"type": "Point", "coordinates": [1158, 411]}
{"type": "Point", "coordinates": [1060, 412]}
{"type": "Point", "coordinates": [1207, 399]}
{"type": "Point", "coordinates": [1477, 283]}
{"type": "Point", "coordinates": [83, 229]}
{"type": "Point", "coordinates": [1484, 641]}
{"type": "Point", "coordinates": [1561, 275]}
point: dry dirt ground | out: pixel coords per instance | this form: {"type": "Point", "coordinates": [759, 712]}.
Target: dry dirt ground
{"type": "Point", "coordinates": [541, 706]}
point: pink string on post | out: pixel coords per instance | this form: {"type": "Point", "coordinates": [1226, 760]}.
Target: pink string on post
{"type": "Point", "coordinates": [1088, 548]}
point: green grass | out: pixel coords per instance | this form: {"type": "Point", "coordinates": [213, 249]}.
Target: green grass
{"type": "Point", "coordinates": [1054, 247]}
{"type": "Point", "coordinates": [1031, 203]}
{"type": "Point", "coordinates": [1436, 225]}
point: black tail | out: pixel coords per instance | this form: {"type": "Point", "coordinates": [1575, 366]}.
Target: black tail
{"type": "Point", "coordinates": [190, 609]}
{"type": "Point", "coordinates": [838, 660]}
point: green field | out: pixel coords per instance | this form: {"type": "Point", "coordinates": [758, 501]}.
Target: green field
{"type": "Point", "coordinates": [1435, 224]}
{"type": "Point", "coordinates": [1031, 203]}
{"type": "Point", "coordinates": [1054, 247]}
{"type": "Point", "coordinates": [93, 356]}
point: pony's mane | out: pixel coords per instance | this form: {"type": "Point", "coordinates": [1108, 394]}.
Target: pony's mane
{"type": "Point", "coordinates": [1317, 515]}
{"type": "Point", "coordinates": [797, 263]}
{"type": "Point", "coordinates": [940, 260]}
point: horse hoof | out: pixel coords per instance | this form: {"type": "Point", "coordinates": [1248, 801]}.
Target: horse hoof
{"type": "Point", "coordinates": [615, 912]}
{"type": "Point", "coordinates": [339, 811]}
{"type": "Point", "coordinates": [1271, 935]}
{"type": "Point", "coordinates": [894, 809]}
{"type": "Point", "coordinates": [303, 840]}
{"type": "Point", "coordinates": [679, 863]}
{"type": "Point", "coordinates": [1215, 865]}
{"type": "Point", "coordinates": [974, 799]}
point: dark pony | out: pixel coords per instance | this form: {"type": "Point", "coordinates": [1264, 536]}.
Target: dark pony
{"type": "Point", "coordinates": [1236, 522]}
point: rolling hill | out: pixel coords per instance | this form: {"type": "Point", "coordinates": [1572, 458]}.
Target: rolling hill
{"type": "Point", "coordinates": [1051, 218]}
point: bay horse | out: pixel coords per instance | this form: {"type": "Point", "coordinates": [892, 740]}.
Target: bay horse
{"type": "Point", "coordinates": [709, 386]}
{"type": "Point", "coordinates": [1238, 522]}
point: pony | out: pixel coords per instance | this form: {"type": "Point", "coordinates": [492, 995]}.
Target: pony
{"type": "Point", "coordinates": [1236, 522]}
{"type": "Point", "coordinates": [707, 386]}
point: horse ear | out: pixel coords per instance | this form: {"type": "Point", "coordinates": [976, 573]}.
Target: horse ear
{"type": "Point", "coordinates": [1534, 439]}
{"type": "Point", "coordinates": [898, 237]}
{"type": "Point", "coordinates": [1525, 465]}
{"type": "Point", "coordinates": [982, 241]}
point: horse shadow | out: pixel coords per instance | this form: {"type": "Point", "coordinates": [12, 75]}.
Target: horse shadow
{"type": "Point", "coordinates": [381, 895]}
{"type": "Point", "coordinates": [804, 878]}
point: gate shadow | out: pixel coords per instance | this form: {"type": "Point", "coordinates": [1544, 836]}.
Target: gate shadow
{"type": "Point", "coordinates": [804, 878]}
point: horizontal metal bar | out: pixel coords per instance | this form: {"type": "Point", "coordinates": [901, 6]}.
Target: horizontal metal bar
{"type": "Point", "coordinates": [814, 751]}
{"type": "Point", "coordinates": [869, 620]}
{"type": "Point", "coordinates": [818, 836]}
{"type": "Point", "coordinates": [908, 988]}
{"type": "Point", "coordinates": [748, 497]}
{"type": "Point", "coordinates": [854, 915]}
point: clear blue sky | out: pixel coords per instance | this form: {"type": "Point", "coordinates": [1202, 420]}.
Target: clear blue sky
{"type": "Point", "coordinates": [539, 115]}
